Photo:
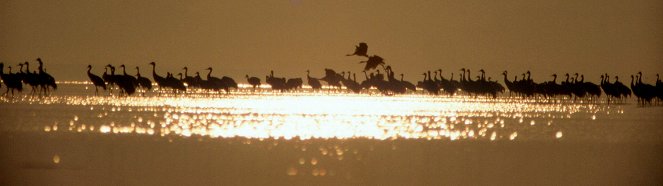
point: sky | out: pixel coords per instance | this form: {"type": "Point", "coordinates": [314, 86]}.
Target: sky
{"type": "Point", "coordinates": [252, 37]}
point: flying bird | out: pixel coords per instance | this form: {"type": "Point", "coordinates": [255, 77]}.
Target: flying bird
{"type": "Point", "coordinates": [373, 62]}
{"type": "Point", "coordinates": [360, 50]}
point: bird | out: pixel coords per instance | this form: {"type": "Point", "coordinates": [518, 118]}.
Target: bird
{"type": "Point", "coordinates": [45, 79]}
{"type": "Point", "coordinates": [161, 81]}
{"type": "Point", "coordinates": [332, 78]}
{"type": "Point", "coordinates": [96, 80]}
{"type": "Point", "coordinates": [108, 79]}
{"type": "Point", "coordinates": [190, 81]}
{"type": "Point", "coordinates": [592, 89]}
{"type": "Point", "coordinates": [313, 82]}
{"type": "Point", "coordinates": [407, 84]}
{"type": "Point", "coordinates": [645, 92]}
{"type": "Point", "coordinates": [253, 81]}
{"type": "Point", "coordinates": [373, 62]}
{"type": "Point", "coordinates": [277, 83]}
{"type": "Point", "coordinates": [128, 77]}
{"type": "Point", "coordinates": [11, 81]}
{"type": "Point", "coordinates": [228, 83]}
{"type": "Point", "coordinates": [294, 83]}
{"type": "Point", "coordinates": [31, 78]}
{"type": "Point", "coordinates": [511, 85]}
{"type": "Point", "coordinates": [214, 82]}
{"type": "Point", "coordinates": [360, 50]}
{"type": "Point", "coordinates": [143, 81]}
{"type": "Point", "coordinates": [611, 91]}
{"type": "Point", "coordinates": [125, 83]}
{"type": "Point", "coordinates": [174, 83]}
{"type": "Point", "coordinates": [429, 85]}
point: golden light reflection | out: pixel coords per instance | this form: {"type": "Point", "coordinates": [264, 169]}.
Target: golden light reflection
{"type": "Point", "coordinates": [307, 114]}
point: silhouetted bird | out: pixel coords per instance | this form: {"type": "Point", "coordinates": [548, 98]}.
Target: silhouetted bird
{"type": "Point", "coordinates": [360, 50]}
{"type": "Point", "coordinates": [161, 81]}
{"type": "Point", "coordinates": [96, 80]}
{"type": "Point", "coordinates": [253, 81]}
{"type": "Point", "coordinates": [143, 81]}
{"type": "Point", "coordinates": [189, 80]}
{"type": "Point", "coordinates": [313, 82]}
{"type": "Point", "coordinates": [294, 83]}
{"type": "Point", "coordinates": [407, 84]}
{"type": "Point", "coordinates": [45, 79]}
{"type": "Point", "coordinates": [174, 83]}
{"type": "Point", "coordinates": [373, 62]}
{"type": "Point", "coordinates": [128, 77]}
{"type": "Point", "coordinates": [332, 78]}
{"type": "Point", "coordinates": [108, 79]}
{"type": "Point", "coordinates": [277, 83]}
{"type": "Point", "coordinates": [31, 78]}
{"type": "Point", "coordinates": [645, 92]}
{"type": "Point", "coordinates": [215, 82]}
{"type": "Point", "coordinates": [12, 82]}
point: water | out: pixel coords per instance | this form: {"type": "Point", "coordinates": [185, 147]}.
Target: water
{"type": "Point", "coordinates": [306, 137]}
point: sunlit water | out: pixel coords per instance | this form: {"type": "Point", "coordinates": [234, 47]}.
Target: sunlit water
{"type": "Point", "coordinates": [303, 114]}
{"type": "Point", "coordinates": [327, 133]}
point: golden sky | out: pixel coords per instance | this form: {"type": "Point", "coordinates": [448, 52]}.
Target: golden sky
{"type": "Point", "coordinates": [290, 36]}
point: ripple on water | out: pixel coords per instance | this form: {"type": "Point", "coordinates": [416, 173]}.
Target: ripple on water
{"type": "Point", "coordinates": [309, 115]}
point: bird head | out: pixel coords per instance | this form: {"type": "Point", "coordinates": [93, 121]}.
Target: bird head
{"type": "Point", "coordinates": [109, 65]}
{"type": "Point", "coordinates": [462, 69]}
{"type": "Point", "coordinates": [554, 75]}
{"type": "Point", "coordinates": [122, 65]}
{"type": "Point", "coordinates": [185, 68]}
{"type": "Point", "coordinates": [247, 76]}
{"type": "Point", "coordinates": [481, 70]}
{"type": "Point", "coordinates": [209, 68]}
{"type": "Point", "coordinates": [152, 63]}
{"type": "Point", "coordinates": [89, 66]}
{"type": "Point", "coordinates": [640, 73]}
{"type": "Point", "coordinates": [504, 73]}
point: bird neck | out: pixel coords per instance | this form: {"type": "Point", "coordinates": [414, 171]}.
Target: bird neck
{"type": "Point", "coordinates": [632, 80]}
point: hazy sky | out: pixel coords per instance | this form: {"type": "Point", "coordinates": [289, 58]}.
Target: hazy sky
{"type": "Point", "coordinates": [290, 36]}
